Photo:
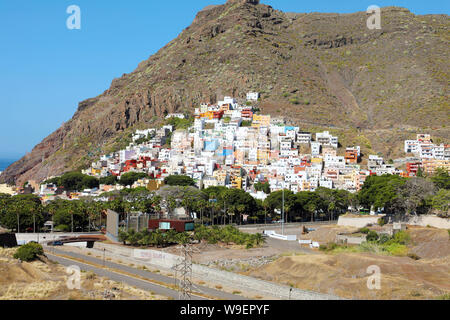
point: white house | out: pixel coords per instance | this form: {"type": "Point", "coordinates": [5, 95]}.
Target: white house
{"type": "Point", "coordinates": [252, 96]}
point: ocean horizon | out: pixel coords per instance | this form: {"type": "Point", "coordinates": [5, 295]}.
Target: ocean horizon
{"type": "Point", "coordinates": [5, 163]}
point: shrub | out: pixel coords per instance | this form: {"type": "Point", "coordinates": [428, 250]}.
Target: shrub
{"type": "Point", "coordinates": [381, 222]}
{"type": "Point", "coordinates": [364, 230]}
{"type": "Point", "coordinates": [29, 252]}
{"type": "Point", "coordinates": [396, 249]}
{"type": "Point", "coordinates": [372, 236]}
{"type": "Point", "coordinates": [401, 237]}
{"type": "Point", "coordinates": [371, 247]}
{"type": "Point", "coordinates": [384, 238]}
{"type": "Point", "coordinates": [294, 101]}
{"type": "Point", "coordinates": [413, 256]}
{"type": "Point", "coordinates": [328, 247]}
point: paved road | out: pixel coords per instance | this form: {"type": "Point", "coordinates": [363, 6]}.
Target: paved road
{"type": "Point", "coordinates": [157, 289]}
{"type": "Point", "coordinates": [142, 273]}
{"type": "Point", "coordinates": [286, 225]}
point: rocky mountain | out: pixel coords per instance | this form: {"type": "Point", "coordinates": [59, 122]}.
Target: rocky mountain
{"type": "Point", "coordinates": [374, 88]}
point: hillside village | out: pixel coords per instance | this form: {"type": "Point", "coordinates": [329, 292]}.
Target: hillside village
{"type": "Point", "coordinates": [233, 145]}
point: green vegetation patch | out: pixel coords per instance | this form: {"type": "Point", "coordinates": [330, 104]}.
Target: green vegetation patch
{"type": "Point", "coordinates": [29, 252]}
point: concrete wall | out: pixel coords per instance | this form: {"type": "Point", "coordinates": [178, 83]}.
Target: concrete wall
{"type": "Point", "coordinates": [166, 261]}
{"type": "Point", "coordinates": [425, 220]}
{"type": "Point", "coordinates": [358, 222]}
{"type": "Point", "coordinates": [422, 220]}
{"type": "Point", "coordinates": [23, 238]}
{"type": "Point", "coordinates": [273, 234]}
{"type": "Point", "coordinates": [348, 239]}
{"type": "Point", "coordinates": [112, 226]}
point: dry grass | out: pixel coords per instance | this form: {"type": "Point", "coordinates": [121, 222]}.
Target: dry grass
{"type": "Point", "coordinates": [44, 280]}
{"type": "Point", "coordinates": [345, 275]}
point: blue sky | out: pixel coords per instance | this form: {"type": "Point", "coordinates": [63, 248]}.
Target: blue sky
{"type": "Point", "coordinates": [46, 69]}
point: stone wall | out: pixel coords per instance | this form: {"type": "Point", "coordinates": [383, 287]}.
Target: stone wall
{"type": "Point", "coordinates": [425, 221]}
{"type": "Point", "coordinates": [349, 239]}
{"type": "Point", "coordinates": [358, 221]}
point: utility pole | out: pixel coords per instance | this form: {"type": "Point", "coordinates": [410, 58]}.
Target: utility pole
{"type": "Point", "coordinates": [282, 214]}
{"type": "Point", "coordinates": [224, 212]}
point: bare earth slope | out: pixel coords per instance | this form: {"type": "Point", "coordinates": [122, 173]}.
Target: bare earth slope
{"type": "Point", "coordinates": [44, 280]}
{"type": "Point", "coordinates": [320, 70]}
{"type": "Point", "coordinates": [345, 275]}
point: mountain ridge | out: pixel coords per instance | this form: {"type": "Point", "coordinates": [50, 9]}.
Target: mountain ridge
{"type": "Point", "coordinates": [317, 70]}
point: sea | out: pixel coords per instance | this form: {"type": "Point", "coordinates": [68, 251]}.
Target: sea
{"type": "Point", "coordinates": [5, 163]}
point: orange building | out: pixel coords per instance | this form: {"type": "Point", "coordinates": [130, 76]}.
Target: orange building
{"type": "Point", "coordinates": [351, 156]}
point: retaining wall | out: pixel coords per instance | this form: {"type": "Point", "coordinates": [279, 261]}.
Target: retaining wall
{"type": "Point", "coordinates": [358, 222]}
{"type": "Point", "coordinates": [166, 261]}
{"type": "Point", "coordinates": [425, 221]}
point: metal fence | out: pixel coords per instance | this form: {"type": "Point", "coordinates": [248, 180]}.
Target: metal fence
{"type": "Point", "coordinates": [138, 222]}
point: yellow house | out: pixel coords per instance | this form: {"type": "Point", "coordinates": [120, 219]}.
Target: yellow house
{"type": "Point", "coordinates": [430, 166]}
{"type": "Point", "coordinates": [260, 120]}
{"type": "Point", "coordinates": [236, 182]}
{"type": "Point", "coordinates": [154, 185]}
{"type": "Point", "coordinates": [96, 172]}
{"type": "Point", "coordinates": [220, 176]}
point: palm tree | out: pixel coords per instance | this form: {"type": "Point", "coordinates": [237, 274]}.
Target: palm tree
{"type": "Point", "coordinates": [259, 239]}
{"type": "Point", "coordinates": [241, 209]}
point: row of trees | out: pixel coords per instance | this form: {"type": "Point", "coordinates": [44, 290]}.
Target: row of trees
{"type": "Point", "coordinates": [76, 181]}
{"type": "Point", "coordinates": [158, 238]}
{"type": "Point", "coordinates": [397, 195]}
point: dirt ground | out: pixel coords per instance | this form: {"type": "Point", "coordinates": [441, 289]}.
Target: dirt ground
{"type": "Point", "coordinates": [345, 274]}
{"type": "Point", "coordinates": [45, 280]}
{"type": "Point", "coordinates": [429, 243]}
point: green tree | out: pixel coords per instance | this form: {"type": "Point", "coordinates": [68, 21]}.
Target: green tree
{"type": "Point", "coordinates": [441, 179]}
{"type": "Point", "coordinates": [109, 180]}
{"type": "Point", "coordinates": [29, 252]}
{"type": "Point", "coordinates": [441, 202]}
{"type": "Point", "coordinates": [413, 197]}
{"type": "Point", "coordinates": [264, 187]}
{"type": "Point", "coordinates": [380, 191]}
{"type": "Point", "coordinates": [275, 202]}
{"type": "Point", "coordinates": [179, 181]}
{"type": "Point", "coordinates": [21, 211]}
{"type": "Point", "coordinates": [129, 178]}
{"type": "Point", "coordinates": [76, 181]}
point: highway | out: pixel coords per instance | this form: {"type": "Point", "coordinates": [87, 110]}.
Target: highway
{"type": "Point", "coordinates": [129, 279]}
